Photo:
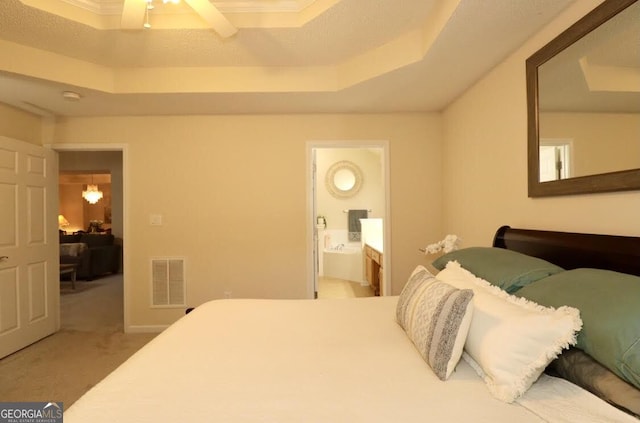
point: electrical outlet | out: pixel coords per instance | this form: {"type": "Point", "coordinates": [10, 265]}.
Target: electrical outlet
{"type": "Point", "coordinates": [155, 219]}
{"type": "Point", "coordinates": [227, 294]}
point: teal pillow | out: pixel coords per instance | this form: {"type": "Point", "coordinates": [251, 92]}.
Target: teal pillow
{"type": "Point", "coordinates": [506, 269]}
{"type": "Point", "coordinates": [609, 304]}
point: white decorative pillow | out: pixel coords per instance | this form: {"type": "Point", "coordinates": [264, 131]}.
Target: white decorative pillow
{"type": "Point", "coordinates": [436, 317]}
{"type": "Point", "coordinates": [73, 249]}
{"type": "Point", "coordinates": [511, 340]}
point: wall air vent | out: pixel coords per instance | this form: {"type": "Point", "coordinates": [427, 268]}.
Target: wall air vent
{"type": "Point", "coordinates": [168, 282]}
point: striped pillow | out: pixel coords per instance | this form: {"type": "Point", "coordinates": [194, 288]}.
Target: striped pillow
{"type": "Point", "coordinates": [436, 317]}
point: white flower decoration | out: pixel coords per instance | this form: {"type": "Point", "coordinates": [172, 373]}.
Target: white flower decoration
{"type": "Point", "coordinates": [448, 244]}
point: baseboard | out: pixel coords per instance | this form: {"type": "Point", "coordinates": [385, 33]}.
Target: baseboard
{"type": "Point", "coordinates": [145, 328]}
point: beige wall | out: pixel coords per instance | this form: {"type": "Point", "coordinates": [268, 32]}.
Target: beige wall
{"type": "Point", "coordinates": [232, 193]}
{"type": "Point", "coordinates": [601, 142]}
{"type": "Point", "coordinates": [20, 125]}
{"type": "Point", "coordinates": [485, 167]}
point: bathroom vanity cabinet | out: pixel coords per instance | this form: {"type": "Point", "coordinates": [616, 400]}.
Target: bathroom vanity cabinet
{"type": "Point", "coordinates": [373, 268]}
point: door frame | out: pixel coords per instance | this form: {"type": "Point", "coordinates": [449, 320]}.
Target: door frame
{"type": "Point", "coordinates": [83, 147]}
{"type": "Point", "coordinates": [312, 252]}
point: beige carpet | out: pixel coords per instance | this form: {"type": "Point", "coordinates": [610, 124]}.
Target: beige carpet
{"type": "Point", "coordinates": [90, 344]}
{"type": "Point", "coordinates": [339, 288]}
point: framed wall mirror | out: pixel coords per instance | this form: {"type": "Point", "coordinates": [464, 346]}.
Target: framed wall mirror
{"type": "Point", "coordinates": [583, 105]}
{"type": "Point", "coordinates": [343, 179]}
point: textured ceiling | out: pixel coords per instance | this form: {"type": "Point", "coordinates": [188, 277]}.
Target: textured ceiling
{"type": "Point", "coordinates": [332, 37]}
{"type": "Point", "coordinates": [572, 81]}
{"type": "Point", "coordinates": [353, 56]}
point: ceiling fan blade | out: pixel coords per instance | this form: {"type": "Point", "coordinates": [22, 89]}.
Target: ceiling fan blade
{"type": "Point", "coordinates": [133, 14]}
{"type": "Point", "coordinates": [213, 17]}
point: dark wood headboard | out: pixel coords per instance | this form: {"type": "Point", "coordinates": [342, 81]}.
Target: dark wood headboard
{"type": "Point", "coordinates": [571, 250]}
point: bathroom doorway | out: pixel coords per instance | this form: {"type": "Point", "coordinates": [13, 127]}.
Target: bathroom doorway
{"type": "Point", "coordinates": [348, 181]}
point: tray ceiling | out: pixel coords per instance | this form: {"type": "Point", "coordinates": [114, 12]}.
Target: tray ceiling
{"type": "Point", "coordinates": [322, 56]}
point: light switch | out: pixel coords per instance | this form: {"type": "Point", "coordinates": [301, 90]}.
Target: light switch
{"type": "Point", "coordinates": [155, 220]}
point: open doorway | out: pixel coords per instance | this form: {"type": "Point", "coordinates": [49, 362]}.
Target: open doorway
{"type": "Point", "coordinates": [97, 302]}
{"type": "Point", "coordinates": [348, 214]}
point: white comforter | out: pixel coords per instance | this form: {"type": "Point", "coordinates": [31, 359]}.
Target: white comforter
{"type": "Point", "coordinates": [295, 361]}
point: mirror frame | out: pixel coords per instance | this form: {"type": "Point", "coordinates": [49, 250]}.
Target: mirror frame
{"type": "Point", "coordinates": [333, 188]}
{"type": "Point", "coordinates": [625, 180]}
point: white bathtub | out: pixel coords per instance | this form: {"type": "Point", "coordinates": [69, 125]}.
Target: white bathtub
{"type": "Point", "coordinates": [344, 263]}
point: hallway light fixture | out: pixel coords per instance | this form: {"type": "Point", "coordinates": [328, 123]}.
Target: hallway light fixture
{"type": "Point", "coordinates": [92, 194]}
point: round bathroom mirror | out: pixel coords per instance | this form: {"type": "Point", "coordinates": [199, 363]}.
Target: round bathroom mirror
{"type": "Point", "coordinates": [344, 179]}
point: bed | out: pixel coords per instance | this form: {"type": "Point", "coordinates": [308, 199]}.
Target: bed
{"type": "Point", "coordinates": [365, 359]}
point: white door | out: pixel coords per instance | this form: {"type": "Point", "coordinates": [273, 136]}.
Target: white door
{"type": "Point", "coordinates": [555, 159]}
{"type": "Point", "coordinates": [29, 264]}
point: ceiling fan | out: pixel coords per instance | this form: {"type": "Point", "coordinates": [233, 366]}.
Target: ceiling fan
{"type": "Point", "coordinates": [135, 11]}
